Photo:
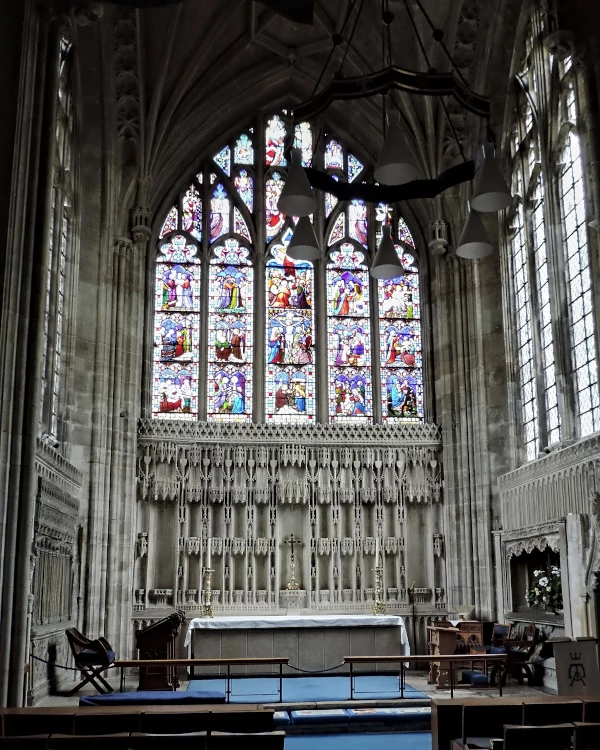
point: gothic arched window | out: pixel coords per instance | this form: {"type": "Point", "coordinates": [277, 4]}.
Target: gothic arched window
{"type": "Point", "coordinates": [211, 307]}
{"type": "Point", "coordinates": [556, 395]}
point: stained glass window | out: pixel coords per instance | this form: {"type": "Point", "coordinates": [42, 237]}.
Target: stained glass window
{"type": "Point", "coordinates": [290, 367]}
{"type": "Point", "coordinates": [274, 219]}
{"type": "Point", "coordinates": [220, 213]}
{"type": "Point", "coordinates": [400, 338]}
{"type": "Point", "coordinates": [170, 223]}
{"type": "Point", "coordinates": [275, 142]}
{"type": "Point", "coordinates": [334, 156]}
{"type": "Point", "coordinates": [338, 230]}
{"type": "Point", "coordinates": [191, 219]}
{"type": "Point", "coordinates": [348, 335]}
{"type": "Point", "coordinates": [230, 333]}
{"type": "Point", "coordinates": [223, 159]}
{"type": "Point", "coordinates": [354, 168]}
{"type": "Point", "coordinates": [176, 330]}
{"type": "Point", "coordinates": [243, 153]}
{"type": "Point", "coordinates": [244, 184]}
{"type": "Point", "coordinates": [303, 140]}
{"type": "Point", "coordinates": [579, 285]}
{"type": "Point", "coordinates": [224, 359]}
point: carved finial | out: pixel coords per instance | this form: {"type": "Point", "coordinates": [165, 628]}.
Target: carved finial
{"type": "Point", "coordinates": [438, 237]}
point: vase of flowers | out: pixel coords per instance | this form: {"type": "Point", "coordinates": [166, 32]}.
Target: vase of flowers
{"type": "Point", "coordinates": [546, 590]}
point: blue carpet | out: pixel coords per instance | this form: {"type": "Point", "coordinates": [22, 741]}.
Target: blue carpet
{"type": "Point", "coordinates": [302, 689]}
{"type": "Point", "coordinates": [399, 741]}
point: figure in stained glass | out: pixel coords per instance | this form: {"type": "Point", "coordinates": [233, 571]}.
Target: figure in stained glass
{"type": "Point", "coordinates": [178, 286]}
{"type": "Point", "coordinates": [357, 220]}
{"type": "Point", "coordinates": [402, 399]}
{"type": "Point", "coordinates": [274, 219]}
{"type": "Point", "coordinates": [275, 142]}
{"type": "Point", "coordinates": [350, 394]}
{"type": "Point", "coordinates": [290, 394]}
{"type": "Point", "coordinates": [191, 218]}
{"type": "Point", "coordinates": [230, 338]}
{"type": "Point", "coordinates": [334, 156]}
{"type": "Point", "coordinates": [349, 344]}
{"type": "Point", "coordinates": [219, 213]}
{"type": "Point", "coordinates": [229, 391]}
{"type": "Point", "coordinates": [400, 297]}
{"type": "Point", "coordinates": [290, 338]}
{"type": "Point", "coordinates": [175, 389]}
{"type": "Point", "coordinates": [348, 293]}
{"type": "Point", "coordinates": [174, 337]}
{"type": "Point", "coordinates": [245, 186]}
{"type": "Point", "coordinates": [303, 140]}
{"type": "Point", "coordinates": [232, 283]}
{"type": "Point", "coordinates": [402, 345]}
{"type": "Point", "coordinates": [243, 152]}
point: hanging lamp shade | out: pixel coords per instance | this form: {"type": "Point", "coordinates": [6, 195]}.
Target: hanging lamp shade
{"type": "Point", "coordinates": [386, 264]}
{"type": "Point", "coordinates": [490, 191]}
{"type": "Point", "coordinates": [297, 196]}
{"type": "Point", "coordinates": [396, 164]}
{"type": "Point", "coordinates": [304, 244]}
{"type": "Point", "coordinates": [474, 241]}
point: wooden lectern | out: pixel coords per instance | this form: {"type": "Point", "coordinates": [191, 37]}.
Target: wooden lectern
{"type": "Point", "coordinates": [157, 641]}
{"type": "Point", "coordinates": [441, 641]}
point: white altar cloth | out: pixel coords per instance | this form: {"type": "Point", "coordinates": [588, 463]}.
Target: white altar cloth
{"type": "Point", "coordinates": [274, 622]}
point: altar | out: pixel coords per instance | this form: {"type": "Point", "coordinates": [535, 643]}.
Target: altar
{"type": "Point", "coordinates": [312, 642]}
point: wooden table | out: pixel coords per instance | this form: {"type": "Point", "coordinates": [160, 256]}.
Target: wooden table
{"type": "Point", "coordinates": [280, 661]}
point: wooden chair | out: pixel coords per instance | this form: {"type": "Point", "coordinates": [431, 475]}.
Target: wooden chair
{"type": "Point", "coordinates": [91, 658]}
{"type": "Point", "coordinates": [555, 737]}
{"type": "Point", "coordinates": [500, 633]}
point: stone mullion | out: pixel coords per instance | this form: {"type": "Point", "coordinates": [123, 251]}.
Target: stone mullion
{"type": "Point", "coordinates": [260, 255]}
{"type": "Point", "coordinates": [376, 380]}
{"type": "Point", "coordinates": [203, 385]}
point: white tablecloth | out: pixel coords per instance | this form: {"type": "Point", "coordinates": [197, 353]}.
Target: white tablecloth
{"type": "Point", "coordinates": [274, 622]}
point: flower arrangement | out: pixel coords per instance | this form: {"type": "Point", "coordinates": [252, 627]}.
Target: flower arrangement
{"type": "Point", "coordinates": [547, 589]}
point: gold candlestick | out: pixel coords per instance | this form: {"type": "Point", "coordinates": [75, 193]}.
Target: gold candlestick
{"type": "Point", "coordinates": [378, 607]}
{"type": "Point", "coordinates": [207, 609]}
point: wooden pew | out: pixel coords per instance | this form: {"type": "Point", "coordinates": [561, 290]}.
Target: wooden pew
{"type": "Point", "coordinates": [553, 737]}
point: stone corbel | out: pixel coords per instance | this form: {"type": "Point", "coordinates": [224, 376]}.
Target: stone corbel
{"type": "Point", "coordinates": [438, 237]}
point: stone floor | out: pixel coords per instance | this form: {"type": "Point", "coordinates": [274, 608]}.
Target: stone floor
{"type": "Point", "coordinates": [418, 680]}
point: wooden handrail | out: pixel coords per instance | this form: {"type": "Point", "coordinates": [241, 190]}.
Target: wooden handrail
{"type": "Point", "coordinates": [424, 658]}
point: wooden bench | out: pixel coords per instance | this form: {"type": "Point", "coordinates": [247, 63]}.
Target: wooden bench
{"type": "Point", "coordinates": [453, 660]}
{"type": "Point", "coordinates": [280, 661]}
{"type": "Point", "coordinates": [97, 720]}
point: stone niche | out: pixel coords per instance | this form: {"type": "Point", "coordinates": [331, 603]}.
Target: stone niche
{"type": "Point", "coordinates": [226, 497]}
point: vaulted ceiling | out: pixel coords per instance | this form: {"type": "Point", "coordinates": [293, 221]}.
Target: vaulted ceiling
{"type": "Point", "coordinates": [206, 68]}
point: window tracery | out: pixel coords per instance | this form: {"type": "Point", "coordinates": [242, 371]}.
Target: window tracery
{"type": "Point", "coordinates": [216, 336]}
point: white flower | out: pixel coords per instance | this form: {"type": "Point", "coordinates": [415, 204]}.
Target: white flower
{"type": "Point", "coordinates": [543, 581]}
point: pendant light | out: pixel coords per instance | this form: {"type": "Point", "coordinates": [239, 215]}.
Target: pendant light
{"type": "Point", "coordinates": [474, 242]}
{"type": "Point", "coordinates": [490, 191]}
{"type": "Point", "coordinates": [297, 196]}
{"type": "Point", "coordinates": [386, 264]}
{"type": "Point", "coordinates": [304, 244]}
{"type": "Point", "coordinates": [396, 164]}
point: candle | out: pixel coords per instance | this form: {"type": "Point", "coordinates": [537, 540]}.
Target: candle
{"type": "Point", "coordinates": [377, 551]}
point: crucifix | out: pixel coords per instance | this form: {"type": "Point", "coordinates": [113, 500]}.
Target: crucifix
{"type": "Point", "coordinates": [292, 583]}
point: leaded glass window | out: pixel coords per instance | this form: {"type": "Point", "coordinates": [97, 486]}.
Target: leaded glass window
{"type": "Point", "coordinates": [176, 330]}
{"type": "Point", "coordinates": [204, 348]}
{"type": "Point", "coordinates": [290, 370]}
{"type": "Point", "coordinates": [585, 366]}
{"type": "Point", "coordinates": [348, 335]}
{"type": "Point", "coordinates": [400, 336]}
{"type": "Point", "coordinates": [230, 333]}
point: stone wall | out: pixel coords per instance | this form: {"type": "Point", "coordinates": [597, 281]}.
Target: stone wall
{"type": "Point", "coordinates": [227, 497]}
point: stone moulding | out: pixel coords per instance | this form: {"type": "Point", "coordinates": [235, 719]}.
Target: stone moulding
{"type": "Point", "coordinates": [392, 435]}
